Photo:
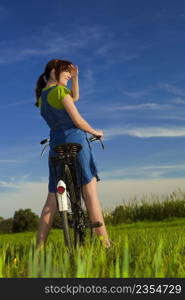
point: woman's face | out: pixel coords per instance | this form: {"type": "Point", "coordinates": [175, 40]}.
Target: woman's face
{"type": "Point", "coordinates": [64, 77]}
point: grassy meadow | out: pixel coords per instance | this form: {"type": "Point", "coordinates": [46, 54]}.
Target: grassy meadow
{"type": "Point", "coordinates": [139, 249]}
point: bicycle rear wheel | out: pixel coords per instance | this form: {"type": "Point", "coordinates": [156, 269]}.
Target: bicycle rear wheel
{"type": "Point", "coordinates": [66, 229]}
{"type": "Point", "coordinates": [74, 195]}
{"type": "Point", "coordinates": [65, 214]}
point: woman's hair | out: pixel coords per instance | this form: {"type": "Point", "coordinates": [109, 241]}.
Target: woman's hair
{"type": "Point", "coordinates": [59, 66]}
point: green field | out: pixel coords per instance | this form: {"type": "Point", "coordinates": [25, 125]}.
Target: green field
{"type": "Point", "coordinates": [142, 249]}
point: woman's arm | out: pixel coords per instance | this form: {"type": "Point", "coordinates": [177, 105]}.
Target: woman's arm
{"type": "Point", "coordinates": [75, 89]}
{"type": "Point", "coordinates": [75, 85]}
{"type": "Point", "coordinates": [77, 118]}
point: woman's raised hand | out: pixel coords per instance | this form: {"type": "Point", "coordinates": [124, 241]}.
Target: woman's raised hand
{"type": "Point", "coordinates": [74, 71]}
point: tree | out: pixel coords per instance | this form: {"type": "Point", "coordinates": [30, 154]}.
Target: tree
{"type": "Point", "coordinates": [24, 220]}
{"type": "Point", "coordinates": [6, 225]}
{"type": "Point", "coordinates": [1, 219]}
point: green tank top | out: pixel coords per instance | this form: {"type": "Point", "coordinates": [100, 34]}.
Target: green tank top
{"type": "Point", "coordinates": [55, 96]}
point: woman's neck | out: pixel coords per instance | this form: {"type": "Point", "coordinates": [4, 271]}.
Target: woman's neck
{"type": "Point", "coordinates": [50, 82]}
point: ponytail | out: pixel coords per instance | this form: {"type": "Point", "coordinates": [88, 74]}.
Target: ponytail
{"type": "Point", "coordinates": [41, 83]}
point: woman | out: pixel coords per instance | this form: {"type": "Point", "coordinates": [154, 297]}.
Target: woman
{"type": "Point", "coordinates": [57, 107]}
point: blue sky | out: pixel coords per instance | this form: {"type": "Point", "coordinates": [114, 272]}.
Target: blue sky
{"type": "Point", "coordinates": [130, 56]}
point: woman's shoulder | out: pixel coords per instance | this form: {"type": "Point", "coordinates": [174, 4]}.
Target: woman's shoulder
{"type": "Point", "coordinates": [56, 95]}
{"type": "Point", "coordinates": [62, 91]}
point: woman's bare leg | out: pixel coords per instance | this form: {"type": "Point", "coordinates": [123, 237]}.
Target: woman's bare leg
{"type": "Point", "coordinates": [90, 196]}
{"type": "Point", "coordinates": [46, 219]}
{"type": "Point", "coordinates": [92, 203]}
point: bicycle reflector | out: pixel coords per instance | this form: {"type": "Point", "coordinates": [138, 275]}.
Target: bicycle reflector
{"type": "Point", "coordinates": [60, 189]}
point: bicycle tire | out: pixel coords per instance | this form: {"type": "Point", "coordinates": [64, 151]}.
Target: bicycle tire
{"type": "Point", "coordinates": [64, 214]}
{"type": "Point", "coordinates": [73, 194]}
{"type": "Point", "coordinates": [66, 229]}
{"type": "Point", "coordinates": [72, 199]}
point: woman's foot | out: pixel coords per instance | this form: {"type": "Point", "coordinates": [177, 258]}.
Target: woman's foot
{"type": "Point", "coordinates": [40, 245]}
{"type": "Point", "coordinates": [108, 244]}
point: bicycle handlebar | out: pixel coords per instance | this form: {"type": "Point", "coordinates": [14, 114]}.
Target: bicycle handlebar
{"type": "Point", "coordinates": [92, 138]}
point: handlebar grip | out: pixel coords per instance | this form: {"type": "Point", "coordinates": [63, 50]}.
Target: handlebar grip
{"type": "Point", "coordinates": [94, 138]}
{"type": "Point", "coordinates": [44, 141]}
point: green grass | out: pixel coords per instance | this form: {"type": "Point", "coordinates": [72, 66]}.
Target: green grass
{"type": "Point", "coordinates": [142, 249]}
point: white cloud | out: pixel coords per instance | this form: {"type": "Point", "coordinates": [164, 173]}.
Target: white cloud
{"type": "Point", "coordinates": [10, 161]}
{"type": "Point", "coordinates": [120, 111]}
{"type": "Point", "coordinates": [176, 167]}
{"type": "Point", "coordinates": [142, 107]}
{"type": "Point", "coordinates": [87, 85]}
{"type": "Point", "coordinates": [138, 94]}
{"type": "Point", "coordinates": [14, 104]}
{"type": "Point", "coordinates": [14, 182]}
{"type": "Point", "coordinates": [5, 184]}
{"type": "Point", "coordinates": [49, 42]}
{"type": "Point", "coordinates": [29, 195]}
{"type": "Point", "coordinates": [16, 159]}
{"type": "Point", "coordinates": [111, 193]}
{"type": "Point", "coordinates": [123, 54]}
{"type": "Point", "coordinates": [178, 100]}
{"type": "Point", "coordinates": [145, 132]}
{"type": "Point", "coordinates": [153, 171]}
{"type": "Point", "coordinates": [173, 89]}
{"type": "Point", "coordinates": [173, 116]}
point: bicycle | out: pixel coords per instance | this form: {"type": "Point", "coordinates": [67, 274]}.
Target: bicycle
{"type": "Point", "coordinates": [68, 195]}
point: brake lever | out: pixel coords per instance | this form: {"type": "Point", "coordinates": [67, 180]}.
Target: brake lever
{"type": "Point", "coordinates": [45, 141]}
{"type": "Point", "coordinates": [95, 138]}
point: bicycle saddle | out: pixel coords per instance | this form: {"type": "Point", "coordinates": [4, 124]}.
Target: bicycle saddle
{"type": "Point", "coordinates": [68, 149]}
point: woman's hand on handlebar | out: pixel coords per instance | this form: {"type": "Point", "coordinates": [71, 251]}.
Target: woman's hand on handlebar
{"type": "Point", "coordinates": [98, 133]}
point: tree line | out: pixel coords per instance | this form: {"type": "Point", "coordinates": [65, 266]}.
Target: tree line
{"type": "Point", "coordinates": [147, 209]}
{"type": "Point", "coordinates": [24, 220]}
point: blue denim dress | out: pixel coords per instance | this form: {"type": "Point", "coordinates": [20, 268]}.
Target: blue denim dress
{"type": "Point", "coordinates": [63, 130]}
